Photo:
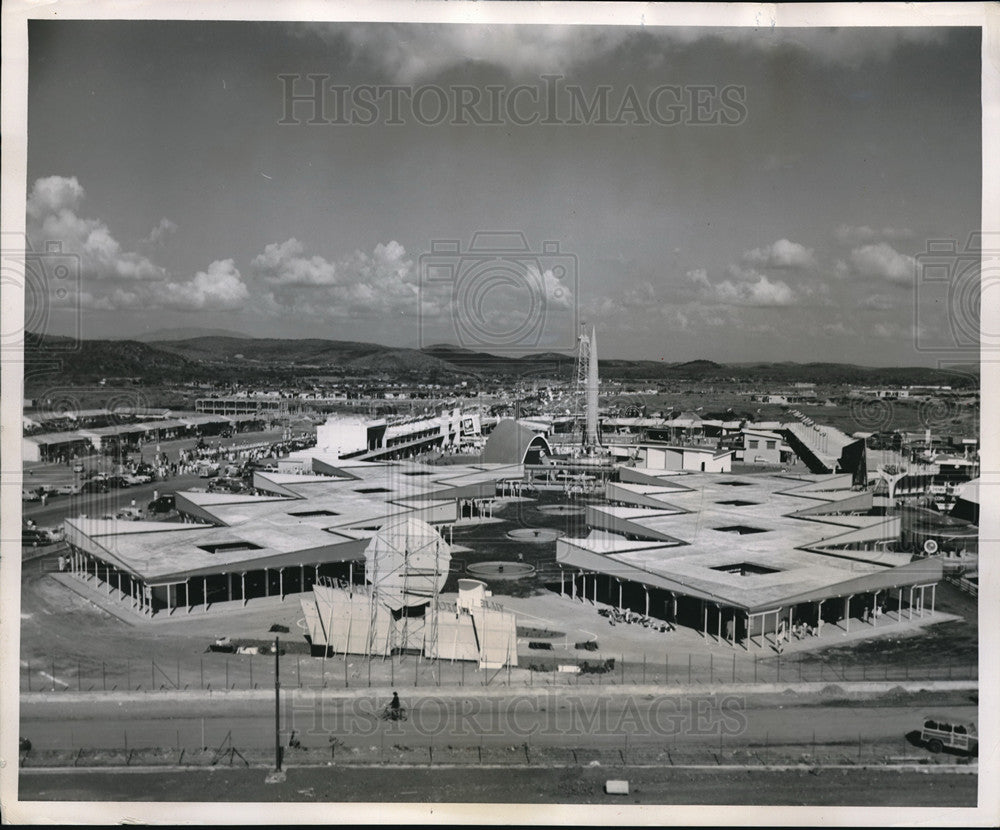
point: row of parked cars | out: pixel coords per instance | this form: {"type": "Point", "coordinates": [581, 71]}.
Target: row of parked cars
{"type": "Point", "coordinates": [97, 483]}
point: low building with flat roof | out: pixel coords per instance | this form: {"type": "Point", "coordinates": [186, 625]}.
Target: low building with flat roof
{"type": "Point", "coordinates": [297, 528]}
{"type": "Point", "coordinates": [741, 556]}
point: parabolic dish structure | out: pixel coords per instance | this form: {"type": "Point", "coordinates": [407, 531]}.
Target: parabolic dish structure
{"type": "Point", "coordinates": [407, 563]}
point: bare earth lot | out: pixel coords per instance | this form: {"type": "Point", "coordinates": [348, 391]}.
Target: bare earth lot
{"type": "Point", "coordinates": [534, 786]}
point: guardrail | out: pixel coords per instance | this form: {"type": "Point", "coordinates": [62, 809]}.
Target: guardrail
{"type": "Point", "coordinates": [963, 584]}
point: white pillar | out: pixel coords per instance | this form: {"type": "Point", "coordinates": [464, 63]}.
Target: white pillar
{"type": "Point", "coordinates": [933, 596]}
{"type": "Point", "coordinates": [243, 587]}
{"type": "Point", "coordinates": [847, 615]}
{"type": "Point", "coordinates": [204, 592]}
{"type": "Point", "coordinates": [619, 594]}
{"type": "Point", "coordinates": [281, 582]}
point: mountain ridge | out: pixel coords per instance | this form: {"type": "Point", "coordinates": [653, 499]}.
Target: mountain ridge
{"type": "Point", "coordinates": [249, 358]}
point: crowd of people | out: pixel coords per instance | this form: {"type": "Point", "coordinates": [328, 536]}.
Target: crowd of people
{"type": "Point", "coordinates": [629, 617]}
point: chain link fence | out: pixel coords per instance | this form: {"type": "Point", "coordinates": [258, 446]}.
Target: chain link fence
{"type": "Point", "coordinates": [214, 671]}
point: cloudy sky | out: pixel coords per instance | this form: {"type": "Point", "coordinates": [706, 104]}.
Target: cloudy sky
{"type": "Point", "coordinates": [731, 194]}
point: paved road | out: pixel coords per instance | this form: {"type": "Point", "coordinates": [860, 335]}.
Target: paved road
{"type": "Point", "coordinates": [558, 719]}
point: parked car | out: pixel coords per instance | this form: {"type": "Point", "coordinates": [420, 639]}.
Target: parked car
{"type": "Point", "coordinates": [163, 504]}
{"type": "Point", "coordinates": [94, 485]}
{"type": "Point", "coordinates": [30, 495]}
{"type": "Point", "coordinates": [67, 489]}
{"type": "Point", "coordinates": [938, 734]}
{"type": "Point", "coordinates": [116, 482]}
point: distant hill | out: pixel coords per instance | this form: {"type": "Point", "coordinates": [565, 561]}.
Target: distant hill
{"type": "Point", "coordinates": [317, 354]}
{"type": "Point", "coordinates": [188, 333]}
{"type": "Point", "coordinates": [89, 361]}
{"type": "Point", "coordinates": [239, 358]}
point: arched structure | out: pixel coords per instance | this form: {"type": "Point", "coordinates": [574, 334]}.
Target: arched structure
{"type": "Point", "coordinates": [513, 443]}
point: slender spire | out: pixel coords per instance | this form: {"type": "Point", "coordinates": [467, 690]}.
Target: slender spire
{"type": "Point", "coordinates": [592, 391]}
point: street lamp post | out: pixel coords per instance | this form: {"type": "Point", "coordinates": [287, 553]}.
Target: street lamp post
{"type": "Point", "coordinates": [277, 707]}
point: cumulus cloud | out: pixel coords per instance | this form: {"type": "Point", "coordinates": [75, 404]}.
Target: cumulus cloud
{"type": "Point", "coordinates": [761, 292]}
{"type": "Point", "coordinates": [361, 284]}
{"type": "Point", "coordinates": [53, 216]}
{"type": "Point", "coordinates": [853, 235]}
{"type": "Point", "coordinates": [219, 288]}
{"type": "Point", "coordinates": [163, 230]}
{"type": "Point", "coordinates": [781, 254]}
{"type": "Point", "coordinates": [408, 52]}
{"type": "Point", "coordinates": [53, 194]}
{"type": "Point", "coordinates": [284, 264]}
{"type": "Point", "coordinates": [883, 262]}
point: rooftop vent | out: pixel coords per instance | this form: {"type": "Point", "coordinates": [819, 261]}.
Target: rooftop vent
{"type": "Point", "coordinates": [742, 530]}
{"type": "Point", "coordinates": [229, 547]}
{"type": "Point", "coordinates": [746, 569]}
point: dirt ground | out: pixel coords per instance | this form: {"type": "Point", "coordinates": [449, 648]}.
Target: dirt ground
{"type": "Point", "coordinates": [663, 786]}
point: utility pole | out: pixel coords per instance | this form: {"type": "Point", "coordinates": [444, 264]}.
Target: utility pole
{"type": "Point", "coordinates": [277, 707]}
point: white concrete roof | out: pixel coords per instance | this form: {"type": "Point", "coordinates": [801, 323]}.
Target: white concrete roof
{"type": "Point", "coordinates": [345, 511]}
{"type": "Point", "coordinates": [782, 528]}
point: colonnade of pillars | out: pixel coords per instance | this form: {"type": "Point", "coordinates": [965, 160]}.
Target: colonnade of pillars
{"type": "Point", "coordinates": [510, 487]}
{"type": "Point", "coordinates": [196, 591]}
{"type": "Point", "coordinates": [772, 625]}
{"type": "Point", "coordinates": [476, 508]}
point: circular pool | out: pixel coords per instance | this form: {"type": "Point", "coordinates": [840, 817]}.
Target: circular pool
{"type": "Point", "coordinates": [561, 509]}
{"type": "Point", "coordinates": [501, 570]}
{"type": "Point", "coordinates": [539, 535]}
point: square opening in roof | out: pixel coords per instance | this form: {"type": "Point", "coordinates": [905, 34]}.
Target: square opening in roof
{"type": "Point", "coordinates": [746, 569]}
{"type": "Point", "coordinates": [373, 490]}
{"type": "Point", "coordinates": [419, 473]}
{"type": "Point", "coordinates": [735, 483]}
{"type": "Point", "coordinates": [742, 530]}
{"type": "Point", "coordinates": [229, 547]}
{"type": "Point", "coordinates": [305, 514]}
{"type": "Point", "coordinates": [738, 502]}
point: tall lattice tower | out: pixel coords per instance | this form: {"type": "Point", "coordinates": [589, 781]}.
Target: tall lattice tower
{"type": "Point", "coordinates": [588, 384]}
